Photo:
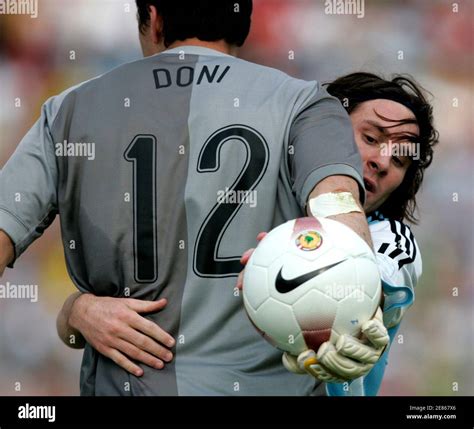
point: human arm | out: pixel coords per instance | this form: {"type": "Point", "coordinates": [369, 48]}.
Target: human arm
{"type": "Point", "coordinates": [28, 205]}
{"type": "Point", "coordinates": [325, 154]}
{"type": "Point", "coordinates": [325, 160]}
{"type": "Point", "coordinates": [116, 329]}
{"type": "Point", "coordinates": [326, 175]}
{"type": "Point", "coordinates": [350, 357]}
{"type": "Point", "coordinates": [28, 187]}
{"type": "Point", "coordinates": [7, 251]}
{"type": "Point", "coordinates": [69, 336]}
{"type": "Point", "coordinates": [355, 220]}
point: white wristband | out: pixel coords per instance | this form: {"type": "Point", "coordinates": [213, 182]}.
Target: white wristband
{"type": "Point", "coordinates": [332, 204]}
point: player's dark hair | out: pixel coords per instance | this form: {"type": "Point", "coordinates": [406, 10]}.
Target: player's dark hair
{"type": "Point", "coordinates": [207, 20]}
{"type": "Point", "coordinates": [356, 88]}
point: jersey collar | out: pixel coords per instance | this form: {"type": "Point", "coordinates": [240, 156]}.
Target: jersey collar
{"type": "Point", "coordinates": [194, 50]}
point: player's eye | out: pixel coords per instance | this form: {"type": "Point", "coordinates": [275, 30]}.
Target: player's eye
{"type": "Point", "coordinates": [398, 162]}
{"type": "Point", "coordinates": [370, 139]}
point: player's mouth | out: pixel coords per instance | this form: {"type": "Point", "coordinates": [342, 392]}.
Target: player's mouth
{"type": "Point", "coordinates": [370, 185]}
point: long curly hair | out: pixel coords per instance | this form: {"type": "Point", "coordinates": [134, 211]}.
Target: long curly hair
{"type": "Point", "coordinates": [356, 88]}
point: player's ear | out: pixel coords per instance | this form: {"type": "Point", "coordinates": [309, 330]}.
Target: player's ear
{"type": "Point", "coordinates": [156, 25]}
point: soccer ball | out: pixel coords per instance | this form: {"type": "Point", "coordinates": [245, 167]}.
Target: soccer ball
{"type": "Point", "coordinates": [308, 281]}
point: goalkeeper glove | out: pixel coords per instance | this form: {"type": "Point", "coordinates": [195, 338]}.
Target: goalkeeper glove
{"type": "Point", "coordinates": [349, 359]}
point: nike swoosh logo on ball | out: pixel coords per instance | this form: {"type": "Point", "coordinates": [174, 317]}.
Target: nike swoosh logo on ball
{"type": "Point", "coordinates": [284, 286]}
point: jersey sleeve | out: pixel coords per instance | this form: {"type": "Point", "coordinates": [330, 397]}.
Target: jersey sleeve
{"type": "Point", "coordinates": [400, 265]}
{"type": "Point", "coordinates": [399, 261]}
{"type": "Point", "coordinates": [28, 184]}
{"type": "Point", "coordinates": [322, 138]}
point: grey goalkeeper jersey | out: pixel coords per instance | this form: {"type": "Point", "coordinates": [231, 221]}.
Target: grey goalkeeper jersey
{"type": "Point", "coordinates": [163, 172]}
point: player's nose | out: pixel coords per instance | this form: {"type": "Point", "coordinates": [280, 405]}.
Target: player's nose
{"type": "Point", "coordinates": [379, 163]}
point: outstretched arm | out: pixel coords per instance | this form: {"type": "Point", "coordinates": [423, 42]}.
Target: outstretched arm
{"type": "Point", "coordinates": [355, 220]}
{"type": "Point", "coordinates": [350, 357]}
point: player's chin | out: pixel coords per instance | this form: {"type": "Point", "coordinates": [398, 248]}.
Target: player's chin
{"type": "Point", "coordinates": [372, 203]}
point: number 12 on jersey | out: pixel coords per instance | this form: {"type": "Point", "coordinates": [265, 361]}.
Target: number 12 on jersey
{"type": "Point", "coordinates": [142, 153]}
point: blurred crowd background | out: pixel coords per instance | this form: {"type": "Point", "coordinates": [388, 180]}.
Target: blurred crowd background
{"type": "Point", "coordinates": [72, 41]}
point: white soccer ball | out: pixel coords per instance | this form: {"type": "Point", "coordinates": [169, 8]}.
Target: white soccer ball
{"type": "Point", "coordinates": [308, 281]}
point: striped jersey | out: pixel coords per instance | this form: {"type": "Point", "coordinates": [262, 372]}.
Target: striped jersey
{"type": "Point", "coordinates": [399, 261]}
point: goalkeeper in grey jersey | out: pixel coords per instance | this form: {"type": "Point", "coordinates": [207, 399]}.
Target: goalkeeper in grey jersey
{"type": "Point", "coordinates": [145, 214]}
{"type": "Point", "coordinates": [392, 182]}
